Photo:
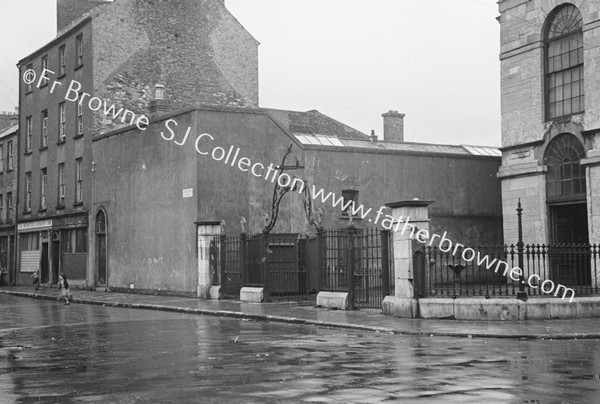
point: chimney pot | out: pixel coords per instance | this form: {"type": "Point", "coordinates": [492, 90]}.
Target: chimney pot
{"type": "Point", "coordinates": [373, 136]}
{"type": "Point", "coordinates": [393, 126]}
{"type": "Point", "coordinates": [14, 119]}
{"type": "Point", "coordinates": [159, 92]}
{"type": "Point", "coordinates": [159, 105]}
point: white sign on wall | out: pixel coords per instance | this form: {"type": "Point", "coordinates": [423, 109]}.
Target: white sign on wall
{"type": "Point", "coordinates": [42, 224]}
{"type": "Point", "coordinates": [188, 192]}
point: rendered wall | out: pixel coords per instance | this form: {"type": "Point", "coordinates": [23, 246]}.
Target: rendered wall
{"type": "Point", "coordinates": [151, 235]}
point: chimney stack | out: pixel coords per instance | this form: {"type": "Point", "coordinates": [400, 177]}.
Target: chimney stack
{"type": "Point", "coordinates": [15, 118]}
{"type": "Point", "coordinates": [393, 126]}
{"type": "Point", "coordinates": [159, 105]}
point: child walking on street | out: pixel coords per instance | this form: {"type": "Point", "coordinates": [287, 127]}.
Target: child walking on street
{"type": "Point", "coordinates": [63, 284]}
{"type": "Point", "coordinates": [36, 279]}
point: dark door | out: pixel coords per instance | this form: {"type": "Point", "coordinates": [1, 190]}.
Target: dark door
{"type": "Point", "coordinates": [569, 235]}
{"type": "Point", "coordinates": [44, 270]}
{"type": "Point", "coordinates": [101, 257]}
{"type": "Point", "coordinates": [55, 260]}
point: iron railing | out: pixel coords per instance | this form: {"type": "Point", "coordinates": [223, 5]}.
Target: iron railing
{"type": "Point", "coordinates": [372, 277]}
{"type": "Point", "coordinates": [358, 261]}
{"type": "Point", "coordinates": [446, 273]}
{"type": "Point", "coordinates": [335, 261]}
{"type": "Point", "coordinates": [293, 266]}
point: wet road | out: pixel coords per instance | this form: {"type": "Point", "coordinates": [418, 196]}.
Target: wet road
{"type": "Point", "coordinates": [51, 353]}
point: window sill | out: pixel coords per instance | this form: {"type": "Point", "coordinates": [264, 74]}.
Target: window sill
{"type": "Point", "coordinates": [60, 76]}
{"type": "Point", "coordinates": [78, 67]}
{"type": "Point", "coordinates": [9, 170]}
{"type": "Point", "coordinates": [28, 153]}
{"type": "Point", "coordinates": [563, 118]}
{"type": "Point", "coordinates": [42, 210]}
{"type": "Point", "coordinates": [78, 136]}
{"type": "Point", "coordinates": [61, 141]}
{"type": "Point", "coordinates": [27, 212]}
{"type": "Point", "coordinates": [60, 207]}
{"type": "Point", "coordinates": [44, 84]}
{"type": "Point", "coordinates": [77, 204]}
{"type": "Point", "coordinates": [43, 148]}
{"type": "Point", "coordinates": [27, 92]}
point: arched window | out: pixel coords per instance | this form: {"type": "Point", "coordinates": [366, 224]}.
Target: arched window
{"type": "Point", "coordinates": [564, 63]}
{"type": "Point", "coordinates": [565, 178]}
{"type": "Point", "coordinates": [100, 223]}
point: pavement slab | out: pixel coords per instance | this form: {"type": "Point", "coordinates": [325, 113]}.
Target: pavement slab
{"type": "Point", "coordinates": [297, 313]}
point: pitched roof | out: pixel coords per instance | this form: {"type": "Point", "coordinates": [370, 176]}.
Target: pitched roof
{"type": "Point", "coordinates": [9, 131]}
{"type": "Point", "coordinates": [314, 123]}
{"type": "Point", "coordinates": [398, 147]}
{"type": "Point", "coordinates": [313, 128]}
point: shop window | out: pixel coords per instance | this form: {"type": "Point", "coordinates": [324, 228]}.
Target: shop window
{"type": "Point", "coordinates": [74, 241]}
{"type": "Point", "coordinates": [29, 241]}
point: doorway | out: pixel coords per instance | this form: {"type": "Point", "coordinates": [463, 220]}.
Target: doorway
{"type": "Point", "coordinates": [101, 251]}
{"type": "Point", "coordinates": [101, 267]}
{"type": "Point", "coordinates": [44, 270]}
{"type": "Point", "coordinates": [569, 223]}
{"type": "Point", "coordinates": [569, 233]}
{"type": "Point", "coordinates": [55, 258]}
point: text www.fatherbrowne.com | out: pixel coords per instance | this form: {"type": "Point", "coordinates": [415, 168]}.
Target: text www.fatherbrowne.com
{"type": "Point", "coordinates": [401, 224]}
{"type": "Point", "coordinates": [272, 174]}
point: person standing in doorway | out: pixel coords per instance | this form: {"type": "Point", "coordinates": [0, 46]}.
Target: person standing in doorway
{"type": "Point", "coordinates": [36, 279]}
{"type": "Point", "coordinates": [63, 285]}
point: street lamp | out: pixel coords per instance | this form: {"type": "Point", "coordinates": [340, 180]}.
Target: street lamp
{"type": "Point", "coordinates": [521, 294]}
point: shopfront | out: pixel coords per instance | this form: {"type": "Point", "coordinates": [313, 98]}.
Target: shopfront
{"type": "Point", "coordinates": [54, 246]}
{"type": "Point", "coordinates": [33, 251]}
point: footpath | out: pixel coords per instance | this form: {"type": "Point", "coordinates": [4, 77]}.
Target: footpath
{"type": "Point", "coordinates": [297, 313]}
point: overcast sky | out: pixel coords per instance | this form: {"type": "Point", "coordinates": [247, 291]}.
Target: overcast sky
{"type": "Point", "coordinates": [434, 60]}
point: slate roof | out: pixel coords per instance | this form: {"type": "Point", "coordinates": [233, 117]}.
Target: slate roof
{"type": "Point", "coordinates": [314, 123]}
{"type": "Point", "coordinates": [312, 128]}
{"type": "Point", "coordinates": [9, 131]}
{"type": "Point", "coordinates": [339, 143]}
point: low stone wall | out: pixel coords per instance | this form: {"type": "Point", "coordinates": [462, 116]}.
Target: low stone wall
{"type": "Point", "coordinates": [507, 309]}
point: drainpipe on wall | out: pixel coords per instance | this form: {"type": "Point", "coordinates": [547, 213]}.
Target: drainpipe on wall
{"type": "Point", "coordinates": [16, 199]}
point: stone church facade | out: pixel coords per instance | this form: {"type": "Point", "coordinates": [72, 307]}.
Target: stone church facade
{"type": "Point", "coordinates": [551, 119]}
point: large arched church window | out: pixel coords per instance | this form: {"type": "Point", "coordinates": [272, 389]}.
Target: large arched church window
{"type": "Point", "coordinates": [566, 177]}
{"type": "Point", "coordinates": [564, 63]}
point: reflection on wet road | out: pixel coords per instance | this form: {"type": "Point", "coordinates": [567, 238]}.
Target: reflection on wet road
{"type": "Point", "coordinates": [81, 353]}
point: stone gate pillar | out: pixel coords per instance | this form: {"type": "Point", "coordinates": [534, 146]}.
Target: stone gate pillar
{"type": "Point", "coordinates": [207, 232]}
{"type": "Point", "coordinates": [409, 218]}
